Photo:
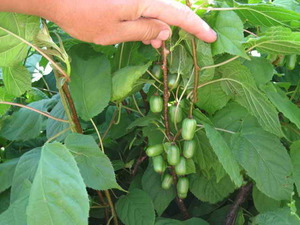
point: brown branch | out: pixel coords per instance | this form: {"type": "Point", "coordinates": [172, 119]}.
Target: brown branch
{"type": "Point", "coordinates": [112, 208]}
{"type": "Point", "coordinates": [179, 201]}
{"type": "Point", "coordinates": [165, 53]}
{"type": "Point", "coordinates": [144, 97]}
{"type": "Point", "coordinates": [103, 202]}
{"type": "Point", "coordinates": [140, 160]}
{"type": "Point", "coordinates": [74, 115]}
{"type": "Point", "coordinates": [239, 200]}
{"type": "Point", "coordinates": [34, 110]}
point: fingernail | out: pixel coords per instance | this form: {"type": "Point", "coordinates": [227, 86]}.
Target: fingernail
{"type": "Point", "coordinates": [163, 35]}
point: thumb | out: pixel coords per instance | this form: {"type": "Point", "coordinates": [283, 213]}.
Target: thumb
{"type": "Point", "coordinates": [144, 29]}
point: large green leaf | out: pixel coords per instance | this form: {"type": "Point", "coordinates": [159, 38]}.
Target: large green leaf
{"type": "Point", "coordinates": [54, 127]}
{"type": "Point", "coordinates": [283, 104]}
{"type": "Point", "coordinates": [192, 221]}
{"type": "Point", "coordinates": [12, 50]}
{"type": "Point", "coordinates": [125, 80]}
{"type": "Point", "coordinates": [90, 84]}
{"type": "Point", "coordinates": [195, 221]}
{"type": "Point", "coordinates": [136, 208]}
{"type": "Point", "coordinates": [276, 40]}
{"type": "Point", "coordinates": [240, 83]}
{"type": "Point", "coordinates": [268, 15]}
{"type": "Point", "coordinates": [4, 96]}
{"type": "Point", "coordinates": [262, 202]}
{"type": "Point", "coordinates": [7, 170]}
{"type": "Point", "coordinates": [224, 154]}
{"type": "Point", "coordinates": [261, 69]}
{"type": "Point", "coordinates": [95, 167]}
{"type": "Point", "coordinates": [208, 190]}
{"type": "Point", "coordinates": [212, 98]}
{"type": "Point", "coordinates": [24, 172]}
{"type": "Point", "coordinates": [58, 194]}
{"type": "Point", "coordinates": [151, 183]}
{"type": "Point", "coordinates": [229, 27]}
{"type": "Point", "coordinates": [277, 217]}
{"type": "Point", "coordinates": [295, 156]}
{"type": "Point", "coordinates": [16, 213]}
{"type": "Point", "coordinates": [265, 160]}
{"type": "Point", "coordinates": [17, 80]}
{"type": "Point", "coordinates": [26, 124]}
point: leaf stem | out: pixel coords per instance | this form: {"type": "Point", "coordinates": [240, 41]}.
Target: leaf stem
{"type": "Point", "coordinates": [35, 110]}
{"type": "Point", "coordinates": [112, 208]}
{"type": "Point", "coordinates": [98, 134]}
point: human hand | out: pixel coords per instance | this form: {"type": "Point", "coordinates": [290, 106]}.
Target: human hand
{"type": "Point", "coordinates": [109, 22]}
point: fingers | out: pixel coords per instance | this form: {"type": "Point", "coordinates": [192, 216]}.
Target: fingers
{"type": "Point", "coordinates": [177, 14]}
{"type": "Point", "coordinates": [150, 31]}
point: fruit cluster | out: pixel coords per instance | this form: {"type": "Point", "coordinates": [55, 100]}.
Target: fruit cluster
{"type": "Point", "coordinates": [168, 156]}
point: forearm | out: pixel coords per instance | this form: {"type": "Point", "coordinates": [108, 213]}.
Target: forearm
{"type": "Point", "coordinates": [42, 8]}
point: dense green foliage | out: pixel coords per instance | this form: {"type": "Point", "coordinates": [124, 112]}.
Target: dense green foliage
{"type": "Point", "coordinates": [84, 137]}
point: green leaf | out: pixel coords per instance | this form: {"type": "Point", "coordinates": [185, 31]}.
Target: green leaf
{"type": "Point", "coordinates": [17, 80]}
{"type": "Point", "coordinates": [136, 208]}
{"type": "Point", "coordinates": [276, 40]}
{"type": "Point", "coordinates": [204, 156]}
{"type": "Point", "coordinates": [205, 58]}
{"type": "Point", "coordinates": [262, 202]}
{"type": "Point", "coordinates": [180, 61]}
{"type": "Point", "coordinates": [7, 170]}
{"type": "Point", "coordinates": [58, 194]}
{"type": "Point", "coordinates": [164, 221]}
{"type": "Point", "coordinates": [4, 200]}
{"type": "Point", "coordinates": [212, 98]}
{"type": "Point", "coordinates": [295, 156]}
{"type": "Point", "coordinates": [26, 124]}
{"type": "Point", "coordinates": [208, 190]}
{"type": "Point", "coordinates": [268, 15]}
{"type": "Point", "coordinates": [195, 221]}
{"type": "Point", "coordinates": [288, 4]}
{"type": "Point", "coordinates": [53, 127]}
{"type": "Point", "coordinates": [24, 172]}
{"type": "Point", "coordinates": [90, 84]}
{"type": "Point", "coordinates": [12, 50]}
{"type": "Point", "coordinates": [265, 160]}
{"type": "Point", "coordinates": [125, 79]}
{"type": "Point", "coordinates": [239, 82]}
{"type": "Point", "coordinates": [224, 155]}
{"type": "Point", "coordinates": [229, 27]}
{"type": "Point", "coordinates": [4, 96]}
{"type": "Point", "coordinates": [261, 70]}
{"type": "Point", "coordinates": [16, 213]}
{"type": "Point", "coordinates": [283, 104]}
{"type": "Point", "coordinates": [151, 183]}
{"type": "Point", "coordinates": [95, 167]}
{"type": "Point", "coordinates": [277, 217]}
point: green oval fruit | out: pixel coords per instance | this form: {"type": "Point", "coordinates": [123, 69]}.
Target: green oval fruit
{"type": "Point", "coordinates": [172, 81]}
{"type": "Point", "coordinates": [188, 129]}
{"type": "Point", "coordinates": [156, 104]}
{"type": "Point", "coordinates": [154, 150]}
{"type": "Point", "coordinates": [167, 182]}
{"type": "Point", "coordinates": [183, 187]}
{"type": "Point", "coordinates": [189, 148]}
{"type": "Point", "coordinates": [175, 114]}
{"type": "Point", "coordinates": [182, 195]}
{"type": "Point", "coordinates": [291, 62]}
{"type": "Point", "coordinates": [180, 168]}
{"type": "Point", "coordinates": [159, 164]}
{"type": "Point", "coordinates": [157, 71]}
{"type": "Point", "coordinates": [173, 155]}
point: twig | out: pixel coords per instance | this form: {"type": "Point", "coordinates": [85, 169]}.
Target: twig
{"type": "Point", "coordinates": [34, 110]}
{"type": "Point", "coordinates": [239, 200]}
{"type": "Point", "coordinates": [179, 201]}
{"type": "Point", "coordinates": [144, 97]}
{"type": "Point", "coordinates": [196, 71]}
{"type": "Point", "coordinates": [104, 203]}
{"type": "Point", "coordinates": [70, 101]}
{"type": "Point", "coordinates": [140, 160]}
{"type": "Point", "coordinates": [112, 208]}
{"type": "Point", "coordinates": [165, 53]}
